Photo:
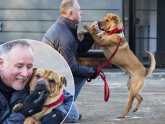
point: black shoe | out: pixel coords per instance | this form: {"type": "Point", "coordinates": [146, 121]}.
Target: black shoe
{"type": "Point", "coordinates": [80, 117]}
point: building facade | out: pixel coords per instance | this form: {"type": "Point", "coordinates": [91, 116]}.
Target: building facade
{"type": "Point", "coordinates": [143, 21]}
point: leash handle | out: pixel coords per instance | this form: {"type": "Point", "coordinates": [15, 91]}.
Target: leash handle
{"type": "Point", "coordinates": [97, 73]}
{"type": "Point", "coordinates": [106, 87]}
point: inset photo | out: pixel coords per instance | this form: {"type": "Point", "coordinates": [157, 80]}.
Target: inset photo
{"type": "Point", "coordinates": [36, 83]}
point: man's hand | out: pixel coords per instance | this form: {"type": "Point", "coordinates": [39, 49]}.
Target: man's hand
{"type": "Point", "coordinates": [94, 73]}
{"type": "Point", "coordinates": [33, 103]}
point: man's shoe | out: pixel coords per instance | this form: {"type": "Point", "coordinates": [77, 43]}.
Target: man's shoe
{"type": "Point", "coordinates": [80, 117]}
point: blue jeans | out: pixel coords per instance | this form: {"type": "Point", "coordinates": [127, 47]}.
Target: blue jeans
{"type": "Point", "coordinates": [73, 115]}
{"type": "Point", "coordinates": [79, 83]}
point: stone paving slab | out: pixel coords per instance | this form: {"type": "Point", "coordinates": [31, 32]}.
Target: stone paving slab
{"type": "Point", "coordinates": [95, 111]}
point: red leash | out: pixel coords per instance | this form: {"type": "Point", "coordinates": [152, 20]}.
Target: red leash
{"type": "Point", "coordinates": [108, 60]}
{"type": "Point", "coordinates": [102, 75]}
{"type": "Point", "coordinates": [100, 72]}
{"type": "Point", "coordinates": [106, 87]}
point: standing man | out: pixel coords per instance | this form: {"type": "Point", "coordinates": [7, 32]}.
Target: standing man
{"type": "Point", "coordinates": [62, 36]}
{"type": "Point", "coordinates": [16, 62]}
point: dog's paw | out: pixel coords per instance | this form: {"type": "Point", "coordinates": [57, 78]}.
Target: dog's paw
{"type": "Point", "coordinates": [121, 116]}
{"type": "Point", "coordinates": [86, 26]}
{"type": "Point", "coordinates": [80, 35]}
{"type": "Point", "coordinates": [135, 109]}
{"type": "Point", "coordinates": [31, 120]}
{"type": "Point", "coordinates": [18, 107]}
{"type": "Point", "coordinates": [93, 29]}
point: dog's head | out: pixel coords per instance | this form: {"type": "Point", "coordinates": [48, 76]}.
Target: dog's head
{"type": "Point", "coordinates": [109, 22]}
{"type": "Point", "coordinates": [47, 80]}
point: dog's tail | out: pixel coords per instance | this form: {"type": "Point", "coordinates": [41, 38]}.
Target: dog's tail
{"type": "Point", "coordinates": [152, 65]}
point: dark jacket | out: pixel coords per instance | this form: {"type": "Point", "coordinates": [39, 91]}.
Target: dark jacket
{"type": "Point", "coordinates": [9, 97]}
{"type": "Point", "coordinates": [62, 36]}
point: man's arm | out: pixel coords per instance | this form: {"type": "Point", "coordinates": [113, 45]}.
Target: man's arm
{"type": "Point", "coordinates": [14, 118]}
{"type": "Point", "coordinates": [5, 116]}
{"type": "Point", "coordinates": [33, 103]}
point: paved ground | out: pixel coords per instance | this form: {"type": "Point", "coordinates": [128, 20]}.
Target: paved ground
{"type": "Point", "coordinates": [95, 111]}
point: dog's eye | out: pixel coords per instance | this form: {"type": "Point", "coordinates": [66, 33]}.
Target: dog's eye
{"type": "Point", "coordinates": [51, 80]}
{"type": "Point", "coordinates": [107, 20]}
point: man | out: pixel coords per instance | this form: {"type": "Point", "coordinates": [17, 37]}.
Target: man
{"type": "Point", "coordinates": [16, 68]}
{"type": "Point", "coordinates": [16, 62]}
{"type": "Point", "coordinates": [62, 36]}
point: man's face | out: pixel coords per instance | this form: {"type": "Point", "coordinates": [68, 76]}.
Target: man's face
{"type": "Point", "coordinates": [16, 69]}
{"type": "Point", "coordinates": [77, 13]}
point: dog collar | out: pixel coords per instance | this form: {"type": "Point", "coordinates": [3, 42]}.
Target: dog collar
{"type": "Point", "coordinates": [61, 99]}
{"type": "Point", "coordinates": [116, 30]}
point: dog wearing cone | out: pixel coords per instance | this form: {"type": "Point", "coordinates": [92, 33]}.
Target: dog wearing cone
{"type": "Point", "coordinates": [110, 36]}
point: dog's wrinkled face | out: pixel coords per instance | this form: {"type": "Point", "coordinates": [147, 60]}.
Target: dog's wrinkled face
{"type": "Point", "coordinates": [46, 80]}
{"type": "Point", "coordinates": [109, 22]}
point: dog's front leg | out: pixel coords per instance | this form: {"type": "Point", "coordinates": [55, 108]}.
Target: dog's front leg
{"type": "Point", "coordinates": [127, 109]}
{"type": "Point", "coordinates": [31, 120]}
{"type": "Point", "coordinates": [101, 34]}
{"type": "Point", "coordinates": [96, 38]}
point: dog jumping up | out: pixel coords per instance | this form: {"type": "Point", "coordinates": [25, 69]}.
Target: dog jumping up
{"type": "Point", "coordinates": [112, 32]}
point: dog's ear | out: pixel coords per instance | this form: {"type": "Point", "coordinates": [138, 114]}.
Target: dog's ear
{"type": "Point", "coordinates": [32, 77]}
{"type": "Point", "coordinates": [117, 21]}
{"type": "Point", "coordinates": [34, 70]}
{"type": "Point", "coordinates": [114, 18]}
{"type": "Point", "coordinates": [63, 80]}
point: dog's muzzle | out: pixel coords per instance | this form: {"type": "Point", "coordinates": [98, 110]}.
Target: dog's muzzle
{"type": "Point", "coordinates": [40, 86]}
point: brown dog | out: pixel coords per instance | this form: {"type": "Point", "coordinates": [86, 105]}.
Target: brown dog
{"type": "Point", "coordinates": [53, 83]}
{"type": "Point", "coordinates": [124, 58]}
